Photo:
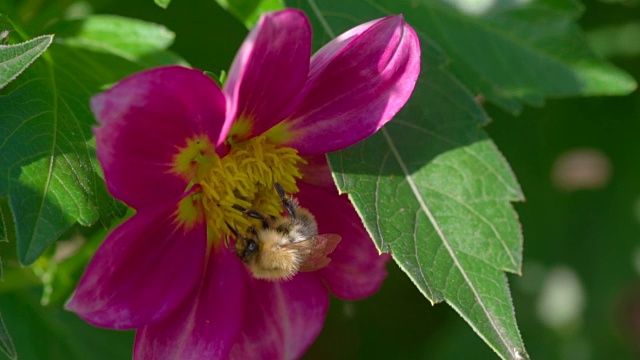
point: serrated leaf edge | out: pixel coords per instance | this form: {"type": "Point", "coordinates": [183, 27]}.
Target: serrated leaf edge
{"type": "Point", "coordinates": [47, 43]}
{"type": "Point", "coordinates": [438, 229]}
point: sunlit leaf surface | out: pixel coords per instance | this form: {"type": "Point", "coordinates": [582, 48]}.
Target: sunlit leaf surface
{"type": "Point", "coordinates": [47, 159]}
{"type": "Point", "coordinates": [15, 58]}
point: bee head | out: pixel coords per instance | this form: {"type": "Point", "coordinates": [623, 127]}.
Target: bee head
{"type": "Point", "coordinates": [245, 248]}
{"type": "Point", "coordinates": [250, 250]}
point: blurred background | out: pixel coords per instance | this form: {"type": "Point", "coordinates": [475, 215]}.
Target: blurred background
{"type": "Point", "coordinates": [577, 160]}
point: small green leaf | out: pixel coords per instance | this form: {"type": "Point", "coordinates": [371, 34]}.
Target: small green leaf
{"type": "Point", "coordinates": [249, 11]}
{"type": "Point", "coordinates": [162, 3]}
{"type": "Point", "coordinates": [128, 38]}
{"type": "Point", "coordinates": [219, 79]}
{"type": "Point", "coordinates": [14, 59]}
{"type": "Point", "coordinates": [6, 344]}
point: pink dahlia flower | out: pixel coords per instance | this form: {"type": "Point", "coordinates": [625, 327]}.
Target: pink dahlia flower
{"type": "Point", "coordinates": [186, 154]}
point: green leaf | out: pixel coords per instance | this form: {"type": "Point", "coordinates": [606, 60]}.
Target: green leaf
{"type": "Point", "coordinates": [162, 3]}
{"type": "Point", "coordinates": [47, 155]}
{"type": "Point", "coordinates": [616, 40]}
{"type": "Point", "coordinates": [6, 344]}
{"type": "Point", "coordinates": [434, 191]}
{"type": "Point", "coordinates": [59, 334]}
{"type": "Point", "coordinates": [511, 52]}
{"type": "Point", "coordinates": [15, 58]}
{"type": "Point", "coordinates": [131, 39]}
{"type": "Point", "coordinates": [60, 270]}
{"type": "Point", "coordinates": [6, 228]}
{"type": "Point", "coordinates": [437, 198]}
{"type": "Point", "coordinates": [249, 11]}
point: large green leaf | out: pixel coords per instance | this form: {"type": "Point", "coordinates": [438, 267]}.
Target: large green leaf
{"type": "Point", "coordinates": [434, 191]}
{"type": "Point", "coordinates": [436, 196]}
{"type": "Point", "coordinates": [47, 159]}
{"type": "Point", "coordinates": [512, 52]}
{"type": "Point", "coordinates": [15, 58]}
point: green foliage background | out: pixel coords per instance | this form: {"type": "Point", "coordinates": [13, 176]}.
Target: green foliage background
{"type": "Point", "coordinates": [520, 59]}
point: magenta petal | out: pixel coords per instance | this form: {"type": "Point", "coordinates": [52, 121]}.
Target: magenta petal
{"type": "Point", "coordinates": [356, 269]}
{"type": "Point", "coordinates": [144, 269]}
{"type": "Point", "coordinates": [316, 172]}
{"type": "Point", "coordinates": [269, 70]}
{"type": "Point", "coordinates": [205, 326]}
{"type": "Point", "coordinates": [357, 83]}
{"type": "Point", "coordinates": [282, 319]}
{"type": "Point", "coordinates": [145, 118]}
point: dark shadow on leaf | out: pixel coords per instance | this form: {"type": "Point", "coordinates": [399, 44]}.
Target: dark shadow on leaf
{"type": "Point", "coordinates": [440, 116]}
{"type": "Point", "coordinates": [27, 319]}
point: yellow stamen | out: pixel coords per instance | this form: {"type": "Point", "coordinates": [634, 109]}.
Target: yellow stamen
{"type": "Point", "coordinates": [241, 128]}
{"type": "Point", "coordinates": [245, 177]}
{"type": "Point", "coordinates": [190, 210]}
{"type": "Point", "coordinates": [192, 161]}
{"type": "Point", "coordinates": [280, 133]}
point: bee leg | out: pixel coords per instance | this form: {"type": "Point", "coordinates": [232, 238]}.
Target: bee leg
{"type": "Point", "coordinates": [251, 213]}
{"type": "Point", "coordinates": [288, 204]}
{"type": "Point", "coordinates": [240, 241]}
{"type": "Point", "coordinates": [280, 191]}
{"type": "Point", "coordinates": [254, 214]}
{"type": "Point", "coordinates": [234, 231]}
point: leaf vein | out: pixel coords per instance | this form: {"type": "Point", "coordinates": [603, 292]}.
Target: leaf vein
{"type": "Point", "coordinates": [464, 148]}
{"type": "Point", "coordinates": [443, 237]}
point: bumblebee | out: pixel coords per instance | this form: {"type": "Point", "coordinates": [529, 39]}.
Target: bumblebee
{"type": "Point", "coordinates": [284, 245]}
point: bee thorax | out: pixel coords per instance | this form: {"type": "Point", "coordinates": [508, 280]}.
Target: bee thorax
{"type": "Point", "coordinates": [273, 261]}
{"type": "Point", "coordinates": [286, 244]}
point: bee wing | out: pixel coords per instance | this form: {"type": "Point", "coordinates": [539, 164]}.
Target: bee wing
{"type": "Point", "coordinates": [316, 248]}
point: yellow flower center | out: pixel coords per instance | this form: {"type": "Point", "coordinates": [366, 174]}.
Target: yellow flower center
{"type": "Point", "coordinates": [245, 177]}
